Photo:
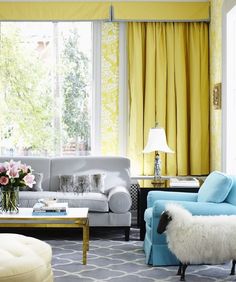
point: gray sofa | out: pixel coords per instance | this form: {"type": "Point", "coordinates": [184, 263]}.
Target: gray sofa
{"type": "Point", "coordinates": [108, 209]}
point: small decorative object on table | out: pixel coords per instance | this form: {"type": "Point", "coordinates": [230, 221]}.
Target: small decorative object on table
{"type": "Point", "coordinates": [13, 175]}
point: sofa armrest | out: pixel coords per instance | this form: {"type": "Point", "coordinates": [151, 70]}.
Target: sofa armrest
{"type": "Point", "coordinates": [196, 208]}
{"type": "Point", "coordinates": [175, 196]}
{"type": "Point", "coordinates": [119, 199]}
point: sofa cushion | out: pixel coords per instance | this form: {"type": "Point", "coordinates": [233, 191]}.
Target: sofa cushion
{"type": "Point", "coordinates": [215, 188]}
{"type": "Point", "coordinates": [119, 200]}
{"type": "Point", "coordinates": [96, 202]}
{"type": "Point", "coordinates": [231, 198]}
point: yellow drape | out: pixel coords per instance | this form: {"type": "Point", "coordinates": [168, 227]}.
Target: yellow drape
{"type": "Point", "coordinates": [169, 83]}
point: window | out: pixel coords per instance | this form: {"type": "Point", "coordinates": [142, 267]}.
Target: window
{"type": "Point", "coordinates": [46, 88]}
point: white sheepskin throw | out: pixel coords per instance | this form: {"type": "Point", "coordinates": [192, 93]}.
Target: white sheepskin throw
{"type": "Point", "coordinates": [200, 239]}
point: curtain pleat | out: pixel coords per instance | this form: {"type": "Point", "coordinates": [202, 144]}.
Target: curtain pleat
{"type": "Point", "coordinates": [136, 87]}
{"type": "Point", "coordinates": [182, 118]}
{"type": "Point", "coordinates": [169, 84]}
{"type": "Point", "coordinates": [149, 93]}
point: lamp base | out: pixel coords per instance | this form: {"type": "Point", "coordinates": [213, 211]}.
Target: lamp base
{"type": "Point", "coordinates": [158, 182]}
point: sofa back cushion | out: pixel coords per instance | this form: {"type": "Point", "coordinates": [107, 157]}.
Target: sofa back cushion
{"type": "Point", "coordinates": [39, 165]}
{"type": "Point", "coordinates": [215, 188]}
{"type": "Point", "coordinates": [116, 169]}
{"type": "Point", "coordinates": [231, 198]}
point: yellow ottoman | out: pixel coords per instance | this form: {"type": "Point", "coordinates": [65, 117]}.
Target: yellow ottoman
{"type": "Point", "coordinates": [24, 259]}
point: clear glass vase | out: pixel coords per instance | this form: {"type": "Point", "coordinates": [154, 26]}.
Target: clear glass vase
{"type": "Point", "coordinates": [10, 199]}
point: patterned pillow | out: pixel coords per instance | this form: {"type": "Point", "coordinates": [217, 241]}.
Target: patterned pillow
{"type": "Point", "coordinates": [97, 183]}
{"type": "Point", "coordinates": [82, 183]}
{"type": "Point", "coordinates": [66, 183]}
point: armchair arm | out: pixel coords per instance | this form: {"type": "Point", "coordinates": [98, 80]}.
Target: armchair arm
{"type": "Point", "coordinates": [197, 208]}
{"type": "Point", "coordinates": [169, 196]}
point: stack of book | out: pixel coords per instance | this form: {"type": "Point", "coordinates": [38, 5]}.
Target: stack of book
{"type": "Point", "coordinates": [52, 209]}
{"type": "Point", "coordinates": [184, 182]}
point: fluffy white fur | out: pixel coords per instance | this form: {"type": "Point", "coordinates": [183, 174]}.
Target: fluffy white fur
{"type": "Point", "coordinates": [201, 239]}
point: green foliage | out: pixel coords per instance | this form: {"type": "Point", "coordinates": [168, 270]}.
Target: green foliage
{"type": "Point", "coordinates": [25, 102]}
{"type": "Point", "coordinates": [75, 116]}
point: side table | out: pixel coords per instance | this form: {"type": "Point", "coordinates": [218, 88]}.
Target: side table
{"type": "Point", "coordinates": [142, 201]}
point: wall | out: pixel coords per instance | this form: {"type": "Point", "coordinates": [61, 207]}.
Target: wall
{"type": "Point", "coordinates": [215, 77]}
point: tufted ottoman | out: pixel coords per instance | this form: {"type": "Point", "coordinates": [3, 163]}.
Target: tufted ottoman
{"type": "Point", "coordinates": [24, 259]}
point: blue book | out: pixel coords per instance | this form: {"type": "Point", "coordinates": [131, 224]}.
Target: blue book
{"type": "Point", "coordinates": [49, 213]}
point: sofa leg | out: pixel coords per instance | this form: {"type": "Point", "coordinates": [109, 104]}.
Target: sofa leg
{"type": "Point", "coordinates": [127, 230]}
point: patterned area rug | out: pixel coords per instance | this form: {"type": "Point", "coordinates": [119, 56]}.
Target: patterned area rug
{"type": "Point", "coordinates": [110, 258]}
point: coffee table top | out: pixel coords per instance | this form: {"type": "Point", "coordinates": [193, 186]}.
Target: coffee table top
{"type": "Point", "coordinates": [27, 214]}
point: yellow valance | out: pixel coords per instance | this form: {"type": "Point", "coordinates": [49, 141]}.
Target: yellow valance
{"type": "Point", "coordinates": [53, 11]}
{"type": "Point", "coordinates": [160, 11]}
{"type": "Point", "coordinates": [109, 11]}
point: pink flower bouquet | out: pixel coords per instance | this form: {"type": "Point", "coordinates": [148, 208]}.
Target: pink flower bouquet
{"type": "Point", "coordinates": [15, 174]}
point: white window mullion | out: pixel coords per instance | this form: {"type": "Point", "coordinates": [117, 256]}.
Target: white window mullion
{"type": "Point", "coordinates": [96, 92]}
{"type": "Point", "coordinates": [123, 93]}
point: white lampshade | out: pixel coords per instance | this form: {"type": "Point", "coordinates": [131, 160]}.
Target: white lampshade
{"type": "Point", "coordinates": [157, 141]}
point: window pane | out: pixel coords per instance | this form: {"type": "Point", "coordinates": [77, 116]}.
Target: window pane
{"type": "Point", "coordinates": [45, 88]}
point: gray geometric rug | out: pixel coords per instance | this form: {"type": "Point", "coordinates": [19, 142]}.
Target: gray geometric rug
{"type": "Point", "coordinates": [110, 258]}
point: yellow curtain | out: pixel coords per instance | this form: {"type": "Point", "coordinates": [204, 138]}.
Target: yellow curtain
{"type": "Point", "coordinates": [169, 84]}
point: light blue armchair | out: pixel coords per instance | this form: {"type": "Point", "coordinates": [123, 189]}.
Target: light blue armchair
{"type": "Point", "coordinates": [215, 197]}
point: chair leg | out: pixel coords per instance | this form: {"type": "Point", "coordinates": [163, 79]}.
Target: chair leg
{"type": "Point", "coordinates": [127, 231]}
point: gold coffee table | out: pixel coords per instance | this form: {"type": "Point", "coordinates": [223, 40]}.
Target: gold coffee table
{"type": "Point", "coordinates": [76, 217]}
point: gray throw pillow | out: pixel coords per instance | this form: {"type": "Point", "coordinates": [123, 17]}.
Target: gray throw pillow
{"type": "Point", "coordinates": [66, 183]}
{"type": "Point", "coordinates": [97, 183]}
{"type": "Point", "coordinates": [37, 186]}
{"type": "Point", "coordinates": [81, 183]}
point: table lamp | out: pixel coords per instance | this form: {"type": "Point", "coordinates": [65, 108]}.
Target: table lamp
{"type": "Point", "coordinates": [157, 143]}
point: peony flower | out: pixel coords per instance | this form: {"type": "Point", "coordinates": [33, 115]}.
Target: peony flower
{"type": "Point", "coordinates": [29, 180]}
{"type": "Point", "coordinates": [4, 180]}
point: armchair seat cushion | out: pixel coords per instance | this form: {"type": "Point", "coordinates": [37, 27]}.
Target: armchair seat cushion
{"type": "Point", "coordinates": [96, 202]}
